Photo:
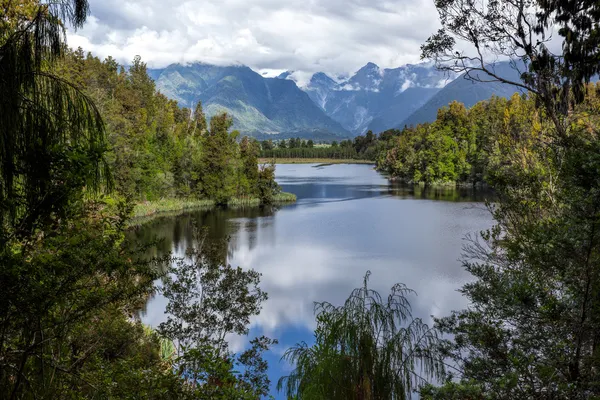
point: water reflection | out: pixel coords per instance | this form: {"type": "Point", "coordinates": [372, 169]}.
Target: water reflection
{"type": "Point", "coordinates": [348, 219]}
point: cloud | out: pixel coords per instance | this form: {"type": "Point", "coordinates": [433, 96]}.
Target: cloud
{"type": "Point", "coordinates": [334, 36]}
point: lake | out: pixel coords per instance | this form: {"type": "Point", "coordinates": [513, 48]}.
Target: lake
{"type": "Point", "coordinates": [348, 219]}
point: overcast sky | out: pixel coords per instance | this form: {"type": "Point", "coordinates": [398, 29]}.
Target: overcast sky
{"type": "Point", "coordinates": [333, 36]}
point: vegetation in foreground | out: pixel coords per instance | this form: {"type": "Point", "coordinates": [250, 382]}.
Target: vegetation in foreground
{"type": "Point", "coordinates": [368, 348]}
{"type": "Point", "coordinates": [71, 284]}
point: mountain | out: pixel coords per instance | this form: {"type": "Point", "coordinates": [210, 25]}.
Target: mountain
{"type": "Point", "coordinates": [260, 106]}
{"type": "Point", "coordinates": [325, 108]}
{"type": "Point", "coordinates": [465, 91]}
{"type": "Point", "coordinates": [375, 98]}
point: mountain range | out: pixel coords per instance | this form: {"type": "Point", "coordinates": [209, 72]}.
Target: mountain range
{"type": "Point", "coordinates": [325, 108]}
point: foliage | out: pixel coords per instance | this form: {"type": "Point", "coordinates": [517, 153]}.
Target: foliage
{"type": "Point", "coordinates": [157, 149]}
{"type": "Point", "coordinates": [365, 147]}
{"type": "Point", "coordinates": [520, 31]}
{"type": "Point", "coordinates": [56, 286]}
{"type": "Point", "coordinates": [532, 329]}
{"type": "Point", "coordinates": [51, 134]}
{"type": "Point", "coordinates": [464, 146]}
{"type": "Point", "coordinates": [366, 349]}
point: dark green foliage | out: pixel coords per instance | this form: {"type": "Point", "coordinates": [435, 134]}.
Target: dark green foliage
{"type": "Point", "coordinates": [217, 163]}
{"type": "Point", "coordinates": [532, 328]}
{"type": "Point", "coordinates": [198, 125]}
{"type": "Point", "coordinates": [46, 123]}
{"type": "Point", "coordinates": [55, 287]}
{"type": "Point", "coordinates": [267, 187]}
{"type": "Point", "coordinates": [369, 348]}
{"type": "Point", "coordinates": [248, 172]}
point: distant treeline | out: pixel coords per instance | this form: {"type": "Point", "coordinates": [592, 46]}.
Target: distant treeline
{"type": "Point", "coordinates": [363, 147]}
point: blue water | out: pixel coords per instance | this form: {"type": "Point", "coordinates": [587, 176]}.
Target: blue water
{"type": "Point", "coordinates": [348, 219]}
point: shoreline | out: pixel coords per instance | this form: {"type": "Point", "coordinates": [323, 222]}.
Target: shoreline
{"type": "Point", "coordinates": [287, 160]}
{"type": "Point", "coordinates": [146, 211]}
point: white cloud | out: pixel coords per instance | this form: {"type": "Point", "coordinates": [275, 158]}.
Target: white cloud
{"type": "Point", "coordinates": [334, 36]}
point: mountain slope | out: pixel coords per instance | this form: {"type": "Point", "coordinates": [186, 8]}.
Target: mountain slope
{"type": "Point", "coordinates": [402, 107]}
{"type": "Point", "coordinates": [465, 91]}
{"type": "Point", "coordinates": [258, 105]}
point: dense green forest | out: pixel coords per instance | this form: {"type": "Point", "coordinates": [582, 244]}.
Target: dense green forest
{"type": "Point", "coordinates": [80, 140]}
{"type": "Point", "coordinates": [465, 145]}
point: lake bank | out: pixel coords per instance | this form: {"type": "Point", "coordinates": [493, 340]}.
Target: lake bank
{"type": "Point", "coordinates": [314, 161]}
{"type": "Point", "coordinates": [173, 206]}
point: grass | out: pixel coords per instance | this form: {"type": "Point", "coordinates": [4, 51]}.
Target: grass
{"type": "Point", "coordinates": [168, 205]}
{"type": "Point", "coordinates": [314, 161]}
{"type": "Point", "coordinates": [284, 197]}
{"type": "Point", "coordinates": [177, 206]}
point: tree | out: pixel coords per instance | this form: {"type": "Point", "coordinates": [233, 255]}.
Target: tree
{"type": "Point", "coordinates": [520, 30]}
{"type": "Point", "coordinates": [248, 181]}
{"type": "Point", "coordinates": [532, 328]}
{"type": "Point", "coordinates": [267, 186]}
{"type": "Point", "coordinates": [198, 120]}
{"type": "Point", "coordinates": [537, 269]}
{"type": "Point", "coordinates": [217, 175]}
{"type": "Point", "coordinates": [267, 145]}
{"type": "Point", "coordinates": [51, 134]}
{"type": "Point", "coordinates": [366, 349]}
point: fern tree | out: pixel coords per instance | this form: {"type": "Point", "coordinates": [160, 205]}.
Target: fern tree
{"type": "Point", "coordinates": [51, 135]}
{"type": "Point", "coordinates": [368, 348]}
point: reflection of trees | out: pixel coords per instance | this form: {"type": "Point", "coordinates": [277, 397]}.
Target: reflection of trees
{"type": "Point", "coordinates": [439, 193]}
{"type": "Point", "coordinates": [163, 235]}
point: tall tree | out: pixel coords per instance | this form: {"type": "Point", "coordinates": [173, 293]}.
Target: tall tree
{"type": "Point", "coordinates": [198, 124]}
{"type": "Point", "coordinates": [217, 177]}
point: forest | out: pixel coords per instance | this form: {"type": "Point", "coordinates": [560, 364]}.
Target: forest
{"type": "Point", "coordinates": [82, 140]}
{"type": "Point", "coordinates": [156, 149]}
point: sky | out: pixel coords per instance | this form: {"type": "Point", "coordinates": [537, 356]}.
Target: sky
{"type": "Point", "coordinates": [306, 36]}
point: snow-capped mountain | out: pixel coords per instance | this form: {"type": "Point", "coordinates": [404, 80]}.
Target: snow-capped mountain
{"type": "Point", "coordinates": [375, 98]}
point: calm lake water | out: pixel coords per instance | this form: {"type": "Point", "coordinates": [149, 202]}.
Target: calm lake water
{"type": "Point", "coordinates": [348, 219]}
